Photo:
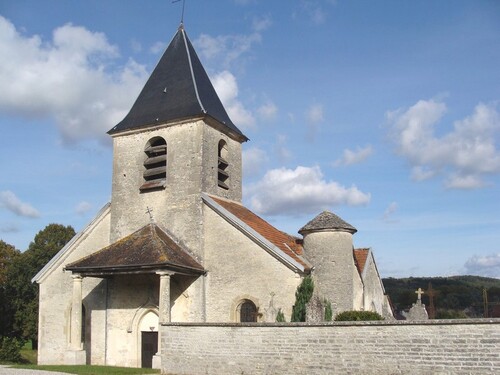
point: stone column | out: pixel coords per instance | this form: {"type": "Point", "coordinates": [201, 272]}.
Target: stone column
{"type": "Point", "coordinates": [164, 311]}
{"type": "Point", "coordinates": [76, 314]}
{"type": "Point", "coordinates": [164, 298]}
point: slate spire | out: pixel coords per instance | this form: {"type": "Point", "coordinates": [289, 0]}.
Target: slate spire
{"type": "Point", "coordinates": [178, 88]}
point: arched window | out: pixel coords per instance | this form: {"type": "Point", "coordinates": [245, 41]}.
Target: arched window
{"type": "Point", "coordinates": [248, 312]}
{"type": "Point", "coordinates": [222, 175]}
{"type": "Point", "coordinates": [155, 164]}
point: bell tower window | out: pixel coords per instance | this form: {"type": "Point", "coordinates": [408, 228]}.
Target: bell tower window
{"type": "Point", "coordinates": [222, 168]}
{"type": "Point", "coordinates": [155, 164]}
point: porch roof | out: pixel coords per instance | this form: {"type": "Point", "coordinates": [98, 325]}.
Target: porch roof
{"type": "Point", "coordinates": [148, 250]}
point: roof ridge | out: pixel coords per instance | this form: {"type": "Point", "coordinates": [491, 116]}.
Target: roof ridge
{"type": "Point", "coordinates": [184, 36]}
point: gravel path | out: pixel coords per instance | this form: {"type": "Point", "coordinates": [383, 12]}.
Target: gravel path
{"type": "Point", "coordinates": [5, 370]}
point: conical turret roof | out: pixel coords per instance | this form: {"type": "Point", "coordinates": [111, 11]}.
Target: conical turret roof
{"type": "Point", "coordinates": [178, 88]}
{"type": "Point", "coordinates": [327, 221]}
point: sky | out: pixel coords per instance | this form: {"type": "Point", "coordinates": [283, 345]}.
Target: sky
{"type": "Point", "coordinates": [386, 113]}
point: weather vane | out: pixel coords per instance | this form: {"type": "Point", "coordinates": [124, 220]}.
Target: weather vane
{"type": "Point", "coordinates": [183, 5]}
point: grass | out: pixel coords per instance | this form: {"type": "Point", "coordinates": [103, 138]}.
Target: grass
{"type": "Point", "coordinates": [29, 360]}
{"type": "Point", "coordinates": [28, 355]}
{"type": "Point", "coordinates": [91, 370]}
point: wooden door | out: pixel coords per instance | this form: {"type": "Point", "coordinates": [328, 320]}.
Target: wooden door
{"type": "Point", "coordinates": [149, 348]}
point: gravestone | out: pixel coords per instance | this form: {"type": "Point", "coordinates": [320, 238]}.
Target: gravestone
{"type": "Point", "coordinates": [315, 310]}
{"type": "Point", "coordinates": [417, 311]}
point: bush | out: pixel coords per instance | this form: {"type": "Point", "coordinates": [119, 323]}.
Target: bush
{"type": "Point", "coordinates": [10, 349]}
{"type": "Point", "coordinates": [280, 317]}
{"type": "Point", "coordinates": [349, 316]}
{"type": "Point", "coordinates": [328, 311]}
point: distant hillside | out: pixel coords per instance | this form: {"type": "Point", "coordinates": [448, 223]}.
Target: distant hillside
{"type": "Point", "coordinates": [455, 297]}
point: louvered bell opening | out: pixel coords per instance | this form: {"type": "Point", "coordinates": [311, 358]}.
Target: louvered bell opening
{"type": "Point", "coordinates": [155, 165]}
{"type": "Point", "coordinates": [222, 175]}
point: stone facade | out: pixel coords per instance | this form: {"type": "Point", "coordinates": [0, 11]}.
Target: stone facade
{"type": "Point", "coordinates": [432, 347]}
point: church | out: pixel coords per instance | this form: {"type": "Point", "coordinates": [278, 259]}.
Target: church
{"type": "Point", "coordinates": [175, 243]}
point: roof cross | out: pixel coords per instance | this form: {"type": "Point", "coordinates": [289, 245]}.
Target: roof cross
{"type": "Point", "coordinates": [149, 212]}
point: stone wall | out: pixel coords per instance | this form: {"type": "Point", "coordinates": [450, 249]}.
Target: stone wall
{"type": "Point", "coordinates": [431, 347]}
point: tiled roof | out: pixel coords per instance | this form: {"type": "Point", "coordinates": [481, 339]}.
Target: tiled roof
{"type": "Point", "coordinates": [327, 220]}
{"type": "Point", "coordinates": [149, 248]}
{"type": "Point", "coordinates": [360, 256]}
{"type": "Point", "coordinates": [288, 244]}
{"type": "Point", "coordinates": [178, 89]}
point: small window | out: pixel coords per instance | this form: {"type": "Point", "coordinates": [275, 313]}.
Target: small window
{"type": "Point", "coordinates": [248, 312]}
{"type": "Point", "coordinates": [222, 168]}
{"type": "Point", "coordinates": [155, 164]}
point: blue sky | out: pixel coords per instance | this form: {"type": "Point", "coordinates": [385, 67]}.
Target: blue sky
{"type": "Point", "coordinates": [386, 113]}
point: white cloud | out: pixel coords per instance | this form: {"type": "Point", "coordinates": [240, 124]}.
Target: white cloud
{"type": "Point", "coordinates": [315, 10]}
{"type": "Point", "coordinates": [420, 173]}
{"type": "Point", "coordinates": [463, 156]}
{"type": "Point", "coordinates": [350, 157]}
{"type": "Point", "coordinates": [226, 49]}
{"type": "Point", "coordinates": [281, 149]}
{"type": "Point", "coordinates": [301, 191]}
{"type": "Point", "coordinates": [227, 88]}
{"type": "Point", "coordinates": [314, 117]}
{"type": "Point", "coordinates": [268, 111]}
{"type": "Point", "coordinates": [488, 265]}
{"type": "Point", "coordinates": [260, 24]}
{"type": "Point", "coordinates": [390, 210]}
{"type": "Point", "coordinates": [66, 79]}
{"type": "Point", "coordinates": [253, 160]}
{"type": "Point", "coordinates": [136, 45]}
{"type": "Point", "coordinates": [9, 228]}
{"type": "Point", "coordinates": [12, 203]}
{"type": "Point", "coordinates": [315, 113]}
{"type": "Point", "coordinates": [157, 48]}
{"type": "Point", "coordinates": [467, 182]}
{"type": "Point", "coordinates": [83, 207]}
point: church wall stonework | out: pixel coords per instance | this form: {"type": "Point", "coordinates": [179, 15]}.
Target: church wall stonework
{"type": "Point", "coordinates": [240, 269]}
{"type": "Point", "coordinates": [358, 289]}
{"type": "Point", "coordinates": [374, 298]}
{"type": "Point", "coordinates": [126, 294]}
{"type": "Point", "coordinates": [431, 347]}
{"type": "Point", "coordinates": [331, 254]}
{"type": "Point", "coordinates": [56, 294]}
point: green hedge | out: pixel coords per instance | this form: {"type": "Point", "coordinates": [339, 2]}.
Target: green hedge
{"type": "Point", "coordinates": [10, 349]}
{"type": "Point", "coordinates": [349, 316]}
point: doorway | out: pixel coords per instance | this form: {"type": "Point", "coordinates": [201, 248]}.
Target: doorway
{"type": "Point", "coordinates": [149, 348]}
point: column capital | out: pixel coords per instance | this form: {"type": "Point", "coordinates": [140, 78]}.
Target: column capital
{"type": "Point", "coordinates": [76, 277]}
{"type": "Point", "coordinates": [165, 273]}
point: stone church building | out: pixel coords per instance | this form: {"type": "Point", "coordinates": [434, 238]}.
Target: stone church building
{"type": "Point", "coordinates": [176, 244]}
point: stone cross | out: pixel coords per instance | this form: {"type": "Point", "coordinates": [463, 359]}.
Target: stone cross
{"type": "Point", "coordinates": [419, 293]}
{"type": "Point", "coordinates": [149, 211]}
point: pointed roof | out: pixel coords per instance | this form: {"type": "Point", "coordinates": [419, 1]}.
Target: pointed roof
{"type": "Point", "coordinates": [148, 249]}
{"type": "Point", "coordinates": [327, 221]}
{"type": "Point", "coordinates": [178, 88]}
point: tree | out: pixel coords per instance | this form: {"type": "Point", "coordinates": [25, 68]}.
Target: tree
{"type": "Point", "coordinates": [22, 293]}
{"type": "Point", "coordinates": [302, 296]}
{"type": "Point", "coordinates": [8, 254]}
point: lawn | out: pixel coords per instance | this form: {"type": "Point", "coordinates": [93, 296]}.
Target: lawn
{"type": "Point", "coordinates": [29, 360]}
{"type": "Point", "coordinates": [92, 370]}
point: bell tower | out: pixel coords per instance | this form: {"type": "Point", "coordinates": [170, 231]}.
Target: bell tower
{"type": "Point", "coordinates": [176, 142]}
